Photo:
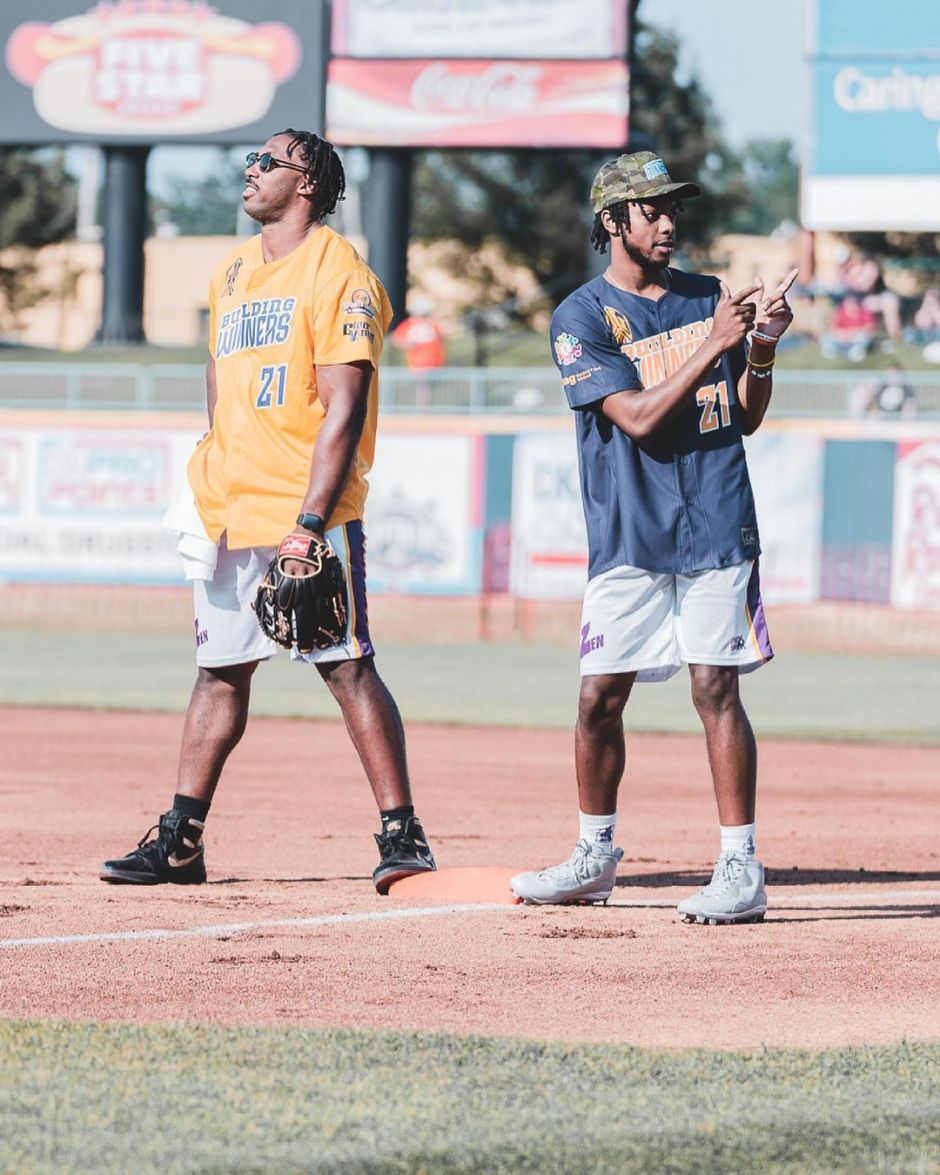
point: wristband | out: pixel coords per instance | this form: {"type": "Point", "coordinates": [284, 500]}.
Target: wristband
{"type": "Point", "coordinates": [760, 366]}
{"type": "Point", "coordinates": [764, 338]}
{"type": "Point", "coordinates": [311, 522]}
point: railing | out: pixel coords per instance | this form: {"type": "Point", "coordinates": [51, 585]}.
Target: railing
{"type": "Point", "coordinates": [529, 391]}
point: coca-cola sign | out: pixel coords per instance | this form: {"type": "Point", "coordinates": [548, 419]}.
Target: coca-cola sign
{"type": "Point", "coordinates": [478, 103]}
{"type": "Point", "coordinates": [504, 85]}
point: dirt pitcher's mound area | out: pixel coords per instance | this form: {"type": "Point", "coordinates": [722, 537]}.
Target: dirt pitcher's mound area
{"type": "Point", "coordinates": [289, 929]}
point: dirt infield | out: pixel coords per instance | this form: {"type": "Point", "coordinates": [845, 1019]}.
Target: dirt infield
{"type": "Point", "coordinates": [289, 930]}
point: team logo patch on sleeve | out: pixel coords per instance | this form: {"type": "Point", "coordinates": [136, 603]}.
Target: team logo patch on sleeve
{"type": "Point", "coordinates": [360, 302]}
{"type": "Point", "coordinates": [567, 349]}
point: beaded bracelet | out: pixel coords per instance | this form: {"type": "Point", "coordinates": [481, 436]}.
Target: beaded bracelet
{"type": "Point", "coordinates": [766, 374]}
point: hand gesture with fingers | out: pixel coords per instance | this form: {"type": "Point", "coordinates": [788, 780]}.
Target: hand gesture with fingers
{"type": "Point", "coordinates": [774, 314]}
{"type": "Point", "coordinates": [734, 316]}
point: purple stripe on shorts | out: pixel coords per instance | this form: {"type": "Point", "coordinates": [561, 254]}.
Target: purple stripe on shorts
{"type": "Point", "coordinates": [756, 611]}
{"type": "Point", "coordinates": [356, 553]}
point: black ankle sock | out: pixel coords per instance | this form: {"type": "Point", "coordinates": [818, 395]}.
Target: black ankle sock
{"type": "Point", "coordinates": [405, 812]}
{"type": "Point", "coordinates": [194, 809]}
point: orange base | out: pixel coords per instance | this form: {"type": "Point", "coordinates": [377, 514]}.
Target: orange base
{"type": "Point", "coordinates": [468, 884]}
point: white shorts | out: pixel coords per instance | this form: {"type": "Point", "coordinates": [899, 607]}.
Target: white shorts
{"type": "Point", "coordinates": [641, 622]}
{"type": "Point", "coordinates": [227, 630]}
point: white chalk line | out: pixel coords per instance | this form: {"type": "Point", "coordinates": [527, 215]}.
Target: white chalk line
{"type": "Point", "coordinates": [227, 929]}
{"type": "Point", "coordinates": [926, 899]}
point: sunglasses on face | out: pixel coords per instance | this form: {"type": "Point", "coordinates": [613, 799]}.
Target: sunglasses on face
{"type": "Point", "coordinates": [266, 162]}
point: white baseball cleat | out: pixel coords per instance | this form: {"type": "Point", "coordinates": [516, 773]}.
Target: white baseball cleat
{"type": "Point", "coordinates": [735, 894]}
{"type": "Point", "coordinates": [587, 877]}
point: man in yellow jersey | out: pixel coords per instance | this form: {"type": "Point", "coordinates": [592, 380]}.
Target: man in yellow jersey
{"type": "Point", "coordinates": [297, 321]}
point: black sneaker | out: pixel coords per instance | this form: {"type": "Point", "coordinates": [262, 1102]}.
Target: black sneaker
{"type": "Point", "coordinates": [404, 851]}
{"type": "Point", "coordinates": [174, 857]}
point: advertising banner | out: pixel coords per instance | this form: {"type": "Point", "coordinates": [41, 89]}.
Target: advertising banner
{"type": "Point", "coordinates": [548, 555]}
{"type": "Point", "coordinates": [915, 562]}
{"type": "Point", "coordinates": [871, 157]}
{"type": "Point", "coordinates": [85, 505]}
{"type": "Point", "coordinates": [424, 516]}
{"type": "Point", "coordinates": [479, 28]}
{"type": "Point", "coordinates": [478, 103]}
{"type": "Point", "coordinates": [140, 71]}
{"type": "Point", "coordinates": [549, 543]}
{"type": "Point", "coordinates": [786, 471]}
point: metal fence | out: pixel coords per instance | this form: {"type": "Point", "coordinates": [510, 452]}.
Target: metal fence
{"type": "Point", "coordinates": [528, 391]}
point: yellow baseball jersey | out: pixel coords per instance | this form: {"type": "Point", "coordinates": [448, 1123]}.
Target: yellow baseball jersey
{"type": "Point", "coordinates": [270, 324]}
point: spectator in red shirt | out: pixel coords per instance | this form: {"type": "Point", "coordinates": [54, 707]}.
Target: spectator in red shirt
{"type": "Point", "coordinates": [851, 332]}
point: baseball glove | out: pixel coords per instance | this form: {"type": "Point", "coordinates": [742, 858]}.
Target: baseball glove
{"type": "Point", "coordinates": [307, 613]}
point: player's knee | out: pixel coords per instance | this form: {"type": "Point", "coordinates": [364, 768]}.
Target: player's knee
{"type": "Point", "coordinates": [345, 679]}
{"type": "Point", "coordinates": [714, 688]}
{"type": "Point", "coordinates": [600, 702]}
{"type": "Point", "coordinates": [225, 678]}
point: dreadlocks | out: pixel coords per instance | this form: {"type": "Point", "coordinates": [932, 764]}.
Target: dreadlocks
{"type": "Point", "coordinates": [323, 165]}
{"type": "Point", "coordinates": [620, 214]}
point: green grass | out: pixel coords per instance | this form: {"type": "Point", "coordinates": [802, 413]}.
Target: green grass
{"type": "Point", "coordinates": [511, 348]}
{"type": "Point", "coordinates": [113, 1098]}
{"type": "Point", "coordinates": [873, 698]}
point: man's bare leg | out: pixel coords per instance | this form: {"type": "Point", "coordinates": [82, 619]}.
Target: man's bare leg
{"type": "Point", "coordinates": [215, 722]}
{"type": "Point", "coordinates": [599, 743]}
{"type": "Point", "coordinates": [375, 727]}
{"type": "Point", "coordinates": [732, 749]}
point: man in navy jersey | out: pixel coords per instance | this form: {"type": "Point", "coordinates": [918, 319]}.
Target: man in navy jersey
{"type": "Point", "coordinates": [663, 386]}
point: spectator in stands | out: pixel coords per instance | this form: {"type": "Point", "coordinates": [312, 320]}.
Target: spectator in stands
{"type": "Point", "coordinates": [886, 395]}
{"type": "Point", "coordinates": [926, 326]}
{"type": "Point", "coordinates": [422, 340]}
{"type": "Point", "coordinates": [852, 330]}
{"type": "Point", "coordinates": [862, 275]}
{"type": "Point", "coordinates": [420, 337]}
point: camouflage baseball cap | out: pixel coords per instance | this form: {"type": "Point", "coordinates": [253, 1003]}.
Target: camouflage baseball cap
{"type": "Point", "coordinates": [640, 176]}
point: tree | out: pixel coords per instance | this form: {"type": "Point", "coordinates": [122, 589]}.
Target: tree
{"type": "Point", "coordinates": [534, 202]}
{"type": "Point", "coordinates": [209, 207]}
{"type": "Point", "coordinates": [38, 209]}
{"type": "Point", "coordinates": [766, 176]}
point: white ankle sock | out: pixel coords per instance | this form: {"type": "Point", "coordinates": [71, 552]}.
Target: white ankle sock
{"type": "Point", "coordinates": [739, 839]}
{"type": "Point", "coordinates": [598, 830]}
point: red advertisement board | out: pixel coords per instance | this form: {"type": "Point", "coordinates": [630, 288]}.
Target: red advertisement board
{"type": "Point", "coordinates": [478, 103]}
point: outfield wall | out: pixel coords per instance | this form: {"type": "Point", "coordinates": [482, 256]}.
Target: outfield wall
{"type": "Point", "coordinates": [849, 511]}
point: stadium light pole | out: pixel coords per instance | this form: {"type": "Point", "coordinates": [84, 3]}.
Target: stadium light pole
{"type": "Point", "coordinates": [125, 227]}
{"type": "Point", "coordinates": [387, 220]}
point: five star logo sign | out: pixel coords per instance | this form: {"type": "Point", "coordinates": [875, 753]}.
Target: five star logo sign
{"type": "Point", "coordinates": [151, 68]}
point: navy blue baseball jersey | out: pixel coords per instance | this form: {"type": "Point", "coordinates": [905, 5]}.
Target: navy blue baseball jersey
{"type": "Point", "coordinates": [681, 501]}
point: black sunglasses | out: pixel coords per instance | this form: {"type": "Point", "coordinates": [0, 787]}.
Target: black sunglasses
{"type": "Point", "coordinates": [266, 162]}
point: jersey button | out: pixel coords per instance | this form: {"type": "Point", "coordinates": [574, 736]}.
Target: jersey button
{"type": "Point", "coordinates": [690, 501]}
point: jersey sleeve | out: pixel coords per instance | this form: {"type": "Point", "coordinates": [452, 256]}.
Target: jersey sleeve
{"type": "Point", "coordinates": [591, 363]}
{"type": "Point", "coordinates": [213, 299]}
{"type": "Point", "coordinates": [350, 317]}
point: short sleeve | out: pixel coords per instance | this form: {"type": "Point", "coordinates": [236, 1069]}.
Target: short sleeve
{"type": "Point", "coordinates": [591, 363]}
{"type": "Point", "coordinates": [350, 318]}
{"type": "Point", "coordinates": [213, 299]}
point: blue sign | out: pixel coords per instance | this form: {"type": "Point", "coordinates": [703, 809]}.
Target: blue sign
{"type": "Point", "coordinates": [875, 117]}
{"type": "Point", "coordinates": [850, 28]}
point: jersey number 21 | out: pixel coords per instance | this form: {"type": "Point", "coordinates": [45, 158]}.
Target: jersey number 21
{"type": "Point", "coordinates": [273, 387]}
{"type": "Point", "coordinates": [716, 411]}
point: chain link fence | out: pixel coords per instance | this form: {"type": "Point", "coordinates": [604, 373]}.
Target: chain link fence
{"type": "Point", "coordinates": [526, 391]}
